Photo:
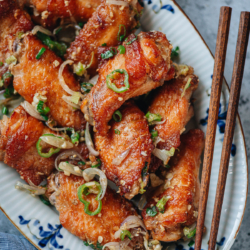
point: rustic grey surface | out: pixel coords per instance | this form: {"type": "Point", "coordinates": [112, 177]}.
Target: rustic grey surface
{"type": "Point", "coordinates": [205, 15]}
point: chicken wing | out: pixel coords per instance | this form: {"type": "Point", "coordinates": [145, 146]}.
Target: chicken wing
{"type": "Point", "coordinates": [146, 64]}
{"type": "Point", "coordinates": [12, 22]}
{"type": "Point", "coordinates": [103, 27]}
{"type": "Point", "coordinates": [172, 102]}
{"type": "Point", "coordinates": [98, 229]}
{"type": "Point", "coordinates": [125, 151]}
{"type": "Point", "coordinates": [176, 201]}
{"type": "Point", "coordinates": [50, 13]}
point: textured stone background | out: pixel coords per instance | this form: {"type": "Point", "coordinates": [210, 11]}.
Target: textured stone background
{"type": "Point", "coordinates": [205, 15]}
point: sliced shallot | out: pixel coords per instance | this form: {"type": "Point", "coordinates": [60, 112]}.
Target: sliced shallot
{"type": "Point", "coordinates": [31, 110]}
{"type": "Point", "coordinates": [120, 158]}
{"type": "Point", "coordinates": [89, 142]}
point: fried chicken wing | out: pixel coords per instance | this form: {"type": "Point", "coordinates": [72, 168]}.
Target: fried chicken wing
{"type": "Point", "coordinates": [115, 210]}
{"type": "Point", "coordinates": [50, 13]}
{"type": "Point", "coordinates": [12, 22]}
{"type": "Point", "coordinates": [129, 137]}
{"type": "Point", "coordinates": [41, 76]}
{"type": "Point", "coordinates": [103, 27]}
{"type": "Point", "coordinates": [181, 189]}
{"type": "Point", "coordinates": [146, 64]}
{"type": "Point", "coordinates": [172, 102]}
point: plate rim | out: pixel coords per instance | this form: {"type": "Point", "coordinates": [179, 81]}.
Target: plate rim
{"type": "Point", "coordinates": [241, 129]}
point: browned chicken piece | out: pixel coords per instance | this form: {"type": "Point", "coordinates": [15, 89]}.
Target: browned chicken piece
{"type": "Point", "coordinates": [41, 76]}
{"type": "Point", "coordinates": [12, 22]}
{"type": "Point", "coordinates": [103, 27]}
{"type": "Point", "coordinates": [146, 64]}
{"type": "Point", "coordinates": [125, 151]}
{"type": "Point", "coordinates": [51, 13]}
{"type": "Point", "coordinates": [18, 137]}
{"type": "Point", "coordinates": [180, 191]}
{"type": "Point", "coordinates": [172, 102]}
{"type": "Point", "coordinates": [93, 229]}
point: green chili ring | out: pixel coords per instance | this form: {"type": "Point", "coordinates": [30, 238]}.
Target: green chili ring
{"type": "Point", "coordinates": [113, 86]}
{"type": "Point", "coordinates": [51, 151]}
{"type": "Point", "coordinates": [82, 190]}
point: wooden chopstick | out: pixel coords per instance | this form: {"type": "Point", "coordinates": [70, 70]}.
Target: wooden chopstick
{"type": "Point", "coordinates": [219, 63]}
{"type": "Point", "coordinates": [239, 63]}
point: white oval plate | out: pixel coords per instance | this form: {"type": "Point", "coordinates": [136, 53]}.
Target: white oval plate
{"type": "Point", "coordinates": [40, 224]}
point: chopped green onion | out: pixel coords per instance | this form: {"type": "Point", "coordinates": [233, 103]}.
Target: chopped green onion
{"type": "Point", "coordinates": [161, 203]}
{"type": "Point", "coordinates": [167, 166]}
{"type": "Point", "coordinates": [154, 133]}
{"type": "Point", "coordinates": [144, 174]}
{"type": "Point", "coordinates": [84, 189]}
{"type": "Point", "coordinates": [58, 30]}
{"type": "Point", "coordinates": [104, 45]}
{"type": "Point", "coordinates": [188, 233]}
{"type": "Point", "coordinates": [121, 49]}
{"type": "Point", "coordinates": [191, 243]}
{"type": "Point", "coordinates": [119, 114]}
{"type": "Point", "coordinates": [81, 24]}
{"type": "Point", "coordinates": [175, 52]}
{"type": "Point", "coordinates": [109, 53]}
{"type": "Point", "coordinates": [79, 69]}
{"type": "Point", "coordinates": [86, 86]}
{"type": "Point", "coordinates": [43, 111]}
{"type": "Point", "coordinates": [151, 211]}
{"type": "Point", "coordinates": [40, 53]}
{"type": "Point", "coordinates": [98, 246]}
{"type": "Point", "coordinates": [75, 137]}
{"type": "Point", "coordinates": [113, 86]}
{"type": "Point", "coordinates": [1, 64]}
{"type": "Point", "coordinates": [1, 83]}
{"type": "Point", "coordinates": [153, 117]}
{"type": "Point", "coordinates": [11, 59]}
{"type": "Point", "coordinates": [117, 131]}
{"type": "Point", "coordinates": [81, 163]}
{"type": "Point", "coordinates": [98, 164]}
{"type": "Point", "coordinates": [75, 97]}
{"type": "Point", "coordinates": [119, 36]}
{"type": "Point", "coordinates": [45, 200]}
{"type": "Point", "coordinates": [51, 151]}
{"type": "Point", "coordinates": [9, 91]}
{"type": "Point", "coordinates": [5, 110]}
{"type": "Point", "coordinates": [130, 42]}
{"type": "Point", "coordinates": [125, 233]}
{"type": "Point", "coordinates": [188, 84]}
{"type": "Point", "coordinates": [19, 35]}
{"type": "Point", "coordinates": [6, 76]}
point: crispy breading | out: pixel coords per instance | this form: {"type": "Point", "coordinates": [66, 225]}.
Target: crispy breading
{"type": "Point", "coordinates": [103, 27]}
{"type": "Point", "coordinates": [33, 76]}
{"type": "Point", "coordinates": [12, 22]}
{"type": "Point", "coordinates": [147, 63]}
{"type": "Point", "coordinates": [130, 134]}
{"type": "Point", "coordinates": [60, 11]}
{"type": "Point", "coordinates": [182, 186]}
{"type": "Point", "coordinates": [172, 102]}
{"type": "Point", "coordinates": [115, 210]}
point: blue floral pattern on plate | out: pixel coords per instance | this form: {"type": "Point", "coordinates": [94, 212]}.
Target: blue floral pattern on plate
{"type": "Point", "coordinates": [44, 237]}
{"type": "Point", "coordinates": [158, 7]}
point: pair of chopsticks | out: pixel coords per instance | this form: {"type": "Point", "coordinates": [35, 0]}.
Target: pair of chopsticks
{"type": "Point", "coordinates": [239, 62]}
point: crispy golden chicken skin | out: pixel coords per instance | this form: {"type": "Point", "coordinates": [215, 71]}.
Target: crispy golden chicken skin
{"type": "Point", "coordinates": [50, 13]}
{"type": "Point", "coordinates": [103, 27]}
{"type": "Point", "coordinates": [12, 22]}
{"type": "Point", "coordinates": [147, 64]}
{"type": "Point", "coordinates": [172, 102]}
{"type": "Point", "coordinates": [33, 76]}
{"type": "Point", "coordinates": [130, 136]}
{"type": "Point", "coordinates": [115, 210]}
{"type": "Point", "coordinates": [182, 187]}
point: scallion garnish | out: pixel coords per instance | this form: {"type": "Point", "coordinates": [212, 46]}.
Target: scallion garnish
{"type": "Point", "coordinates": [117, 131]}
{"type": "Point", "coordinates": [188, 85]}
{"type": "Point", "coordinates": [112, 85]}
{"type": "Point", "coordinates": [189, 233]}
{"type": "Point", "coordinates": [154, 133]}
{"type": "Point", "coordinates": [153, 117]}
{"type": "Point", "coordinates": [44, 200]}
{"type": "Point", "coordinates": [75, 137]}
{"type": "Point", "coordinates": [121, 49]}
{"type": "Point", "coordinates": [84, 190]}
{"type": "Point", "coordinates": [19, 35]}
{"type": "Point", "coordinates": [81, 24]}
{"type": "Point", "coordinates": [43, 111]}
{"type": "Point", "coordinates": [109, 53]}
{"type": "Point", "coordinates": [58, 30]}
{"type": "Point", "coordinates": [9, 91]}
{"type": "Point", "coordinates": [117, 116]}
{"type": "Point", "coordinates": [99, 163]}
{"type": "Point", "coordinates": [130, 42]}
{"type": "Point", "coordinates": [167, 166]}
{"type": "Point", "coordinates": [5, 110]}
{"type": "Point", "coordinates": [1, 64]}
{"type": "Point", "coordinates": [86, 86]}
{"type": "Point", "coordinates": [79, 69]}
{"type": "Point", "coordinates": [40, 53]}
{"type": "Point", "coordinates": [191, 243]}
{"type": "Point", "coordinates": [125, 233]}
{"type": "Point", "coordinates": [7, 76]}
{"type": "Point", "coordinates": [175, 52]}
{"type": "Point", "coordinates": [161, 203]}
{"type": "Point", "coordinates": [151, 211]}
{"type": "Point", "coordinates": [81, 163]}
{"type": "Point", "coordinates": [11, 59]}
{"type": "Point", "coordinates": [120, 36]}
{"type": "Point", "coordinates": [104, 45]}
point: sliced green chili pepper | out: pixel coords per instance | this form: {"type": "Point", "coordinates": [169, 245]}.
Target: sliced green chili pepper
{"type": "Point", "coordinates": [153, 117]}
{"type": "Point", "coordinates": [175, 52]}
{"type": "Point", "coordinates": [51, 151]}
{"type": "Point", "coordinates": [84, 189]}
{"type": "Point", "coordinates": [86, 86]}
{"type": "Point", "coordinates": [121, 49]}
{"type": "Point", "coordinates": [75, 137]}
{"type": "Point", "coordinates": [161, 204]}
{"type": "Point", "coordinates": [117, 131]}
{"type": "Point", "coordinates": [45, 200]}
{"type": "Point", "coordinates": [151, 211]}
{"type": "Point", "coordinates": [40, 53]}
{"type": "Point", "coordinates": [125, 233]}
{"type": "Point", "coordinates": [5, 110]}
{"type": "Point", "coordinates": [98, 164]}
{"type": "Point", "coordinates": [113, 86]}
{"type": "Point", "coordinates": [119, 114]}
{"type": "Point", "coordinates": [119, 36]}
{"type": "Point", "coordinates": [130, 42]}
{"type": "Point", "coordinates": [154, 133]}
